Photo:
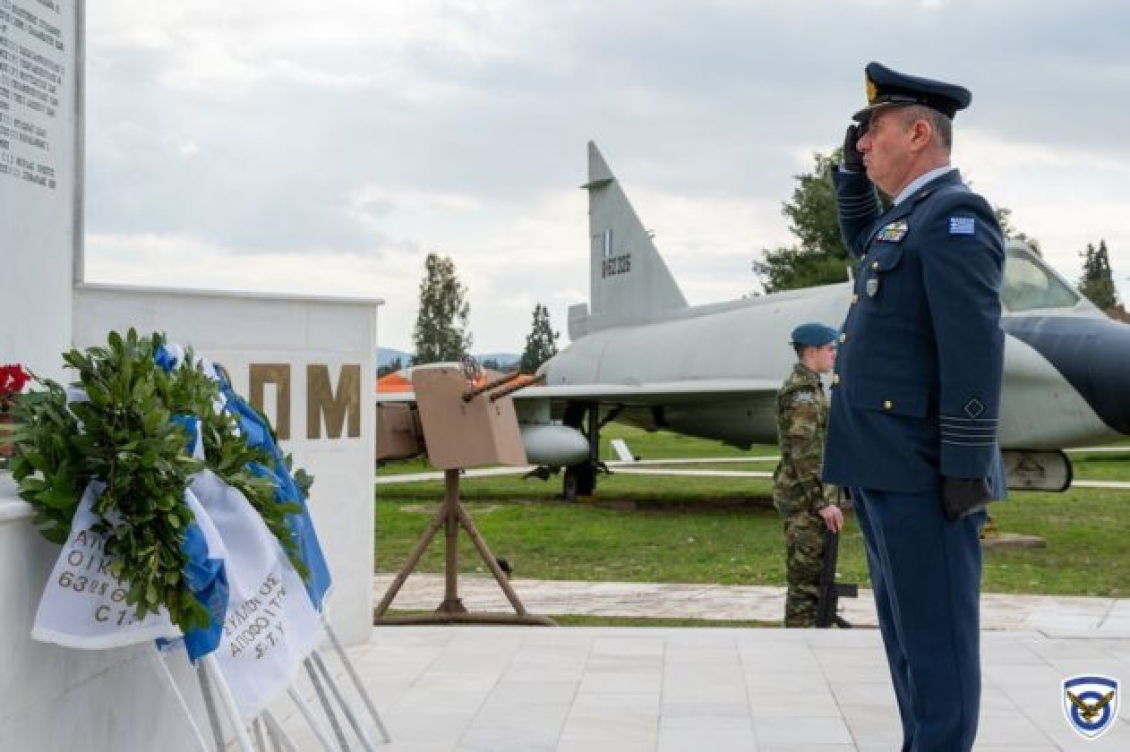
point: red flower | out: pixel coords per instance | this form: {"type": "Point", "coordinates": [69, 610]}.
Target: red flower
{"type": "Point", "coordinates": [13, 378]}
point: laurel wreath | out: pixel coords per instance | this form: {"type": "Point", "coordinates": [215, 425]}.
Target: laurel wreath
{"type": "Point", "coordinates": [124, 436]}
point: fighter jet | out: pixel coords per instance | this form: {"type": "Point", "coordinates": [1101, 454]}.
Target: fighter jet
{"type": "Point", "coordinates": [639, 354]}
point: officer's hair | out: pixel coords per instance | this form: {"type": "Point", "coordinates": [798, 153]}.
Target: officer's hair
{"type": "Point", "coordinates": [800, 349]}
{"type": "Point", "coordinates": [942, 125]}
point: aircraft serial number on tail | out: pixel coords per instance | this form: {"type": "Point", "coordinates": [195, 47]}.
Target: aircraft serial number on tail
{"type": "Point", "coordinates": [616, 265]}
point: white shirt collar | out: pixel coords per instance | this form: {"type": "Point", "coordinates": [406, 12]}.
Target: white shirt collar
{"type": "Point", "coordinates": [920, 181]}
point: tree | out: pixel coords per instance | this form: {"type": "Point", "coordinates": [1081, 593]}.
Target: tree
{"type": "Point", "coordinates": [441, 332]}
{"type": "Point", "coordinates": [393, 366]}
{"type": "Point", "coordinates": [1097, 282]}
{"type": "Point", "coordinates": [820, 257]}
{"type": "Point", "coordinates": [541, 342]}
{"type": "Point", "coordinates": [1004, 218]}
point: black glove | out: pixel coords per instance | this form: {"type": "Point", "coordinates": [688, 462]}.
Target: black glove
{"type": "Point", "coordinates": [962, 497]}
{"type": "Point", "coordinates": [853, 158]}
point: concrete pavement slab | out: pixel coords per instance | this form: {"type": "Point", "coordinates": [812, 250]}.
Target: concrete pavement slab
{"type": "Point", "coordinates": [471, 687]}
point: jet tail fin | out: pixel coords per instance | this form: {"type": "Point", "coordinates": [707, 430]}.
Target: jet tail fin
{"type": "Point", "coordinates": [629, 281]}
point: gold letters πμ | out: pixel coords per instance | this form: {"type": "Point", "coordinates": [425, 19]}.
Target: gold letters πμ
{"type": "Point", "coordinates": [320, 400]}
{"type": "Point", "coordinates": [279, 375]}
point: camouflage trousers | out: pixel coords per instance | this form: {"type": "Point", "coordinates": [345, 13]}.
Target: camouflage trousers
{"type": "Point", "coordinates": [804, 562]}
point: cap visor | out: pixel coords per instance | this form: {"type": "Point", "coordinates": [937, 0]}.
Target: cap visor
{"type": "Point", "coordinates": [865, 115]}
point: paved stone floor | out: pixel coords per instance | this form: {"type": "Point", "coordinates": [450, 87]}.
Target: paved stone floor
{"type": "Point", "coordinates": [1107, 616]}
{"type": "Point", "coordinates": [504, 688]}
{"type": "Point", "coordinates": [594, 689]}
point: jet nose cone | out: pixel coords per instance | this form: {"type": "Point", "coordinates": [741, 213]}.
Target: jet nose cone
{"type": "Point", "coordinates": [1092, 354]}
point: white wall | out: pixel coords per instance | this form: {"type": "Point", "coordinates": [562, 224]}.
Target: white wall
{"type": "Point", "coordinates": [40, 191]}
{"type": "Point", "coordinates": [116, 699]}
{"type": "Point", "coordinates": [53, 698]}
{"type": "Point", "coordinates": [240, 330]}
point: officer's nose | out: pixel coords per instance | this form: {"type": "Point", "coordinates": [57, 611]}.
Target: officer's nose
{"type": "Point", "coordinates": [1092, 354]}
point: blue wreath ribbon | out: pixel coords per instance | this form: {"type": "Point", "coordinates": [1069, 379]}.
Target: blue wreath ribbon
{"type": "Point", "coordinates": [257, 433]}
{"type": "Point", "coordinates": [208, 581]}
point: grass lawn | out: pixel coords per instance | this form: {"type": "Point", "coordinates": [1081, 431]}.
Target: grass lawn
{"type": "Point", "coordinates": [725, 530]}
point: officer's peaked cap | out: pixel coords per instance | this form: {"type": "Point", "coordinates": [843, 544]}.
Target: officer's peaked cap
{"type": "Point", "coordinates": [813, 334]}
{"type": "Point", "coordinates": [889, 87]}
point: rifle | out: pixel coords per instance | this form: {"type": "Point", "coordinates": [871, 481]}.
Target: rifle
{"type": "Point", "coordinates": [830, 590]}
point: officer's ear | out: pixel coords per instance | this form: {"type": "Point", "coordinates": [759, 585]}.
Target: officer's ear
{"type": "Point", "coordinates": [921, 133]}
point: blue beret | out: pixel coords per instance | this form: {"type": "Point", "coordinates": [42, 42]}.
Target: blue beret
{"type": "Point", "coordinates": [813, 335]}
{"type": "Point", "coordinates": [889, 87]}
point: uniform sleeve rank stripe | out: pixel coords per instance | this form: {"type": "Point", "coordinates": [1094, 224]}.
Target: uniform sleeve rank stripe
{"type": "Point", "coordinates": [969, 443]}
{"type": "Point", "coordinates": [966, 429]}
{"type": "Point", "coordinates": [960, 419]}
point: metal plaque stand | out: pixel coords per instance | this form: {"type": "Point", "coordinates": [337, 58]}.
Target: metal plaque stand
{"type": "Point", "coordinates": [450, 517]}
{"type": "Point", "coordinates": [465, 425]}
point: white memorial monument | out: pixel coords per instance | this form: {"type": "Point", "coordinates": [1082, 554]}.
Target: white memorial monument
{"type": "Point", "coordinates": [307, 362]}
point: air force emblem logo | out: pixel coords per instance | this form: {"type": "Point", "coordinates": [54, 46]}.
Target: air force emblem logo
{"type": "Point", "coordinates": [1090, 704]}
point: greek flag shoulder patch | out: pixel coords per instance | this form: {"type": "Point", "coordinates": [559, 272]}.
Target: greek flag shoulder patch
{"type": "Point", "coordinates": [961, 225]}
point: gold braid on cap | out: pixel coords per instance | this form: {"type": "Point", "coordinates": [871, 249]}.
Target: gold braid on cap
{"type": "Point", "coordinates": [872, 90]}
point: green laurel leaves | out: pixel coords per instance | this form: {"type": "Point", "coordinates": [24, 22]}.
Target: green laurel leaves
{"type": "Point", "coordinates": [124, 436]}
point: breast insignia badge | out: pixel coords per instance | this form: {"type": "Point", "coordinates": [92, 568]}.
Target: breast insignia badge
{"type": "Point", "coordinates": [894, 232]}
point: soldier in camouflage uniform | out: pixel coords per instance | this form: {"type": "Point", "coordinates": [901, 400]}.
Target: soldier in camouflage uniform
{"type": "Point", "coordinates": [807, 505]}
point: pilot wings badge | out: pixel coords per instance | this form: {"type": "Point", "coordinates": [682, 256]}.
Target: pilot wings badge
{"type": "Point", "coordinates": [1090, 704]}
{"type": "Point", "coordinates": [894, 232]}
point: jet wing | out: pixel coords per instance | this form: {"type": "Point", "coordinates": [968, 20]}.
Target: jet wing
{"type": "Point", "coordinates": [653, 393]}
{"type": "Point", "coordinates": [735, 411]}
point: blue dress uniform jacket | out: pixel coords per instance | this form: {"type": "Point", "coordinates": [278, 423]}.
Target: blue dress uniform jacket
{"type": "Point", "coordinates": [916, 391]}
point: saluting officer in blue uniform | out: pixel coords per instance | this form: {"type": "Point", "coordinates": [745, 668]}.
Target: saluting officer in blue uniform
{"type": "Point", "coordinates": [916, 392]}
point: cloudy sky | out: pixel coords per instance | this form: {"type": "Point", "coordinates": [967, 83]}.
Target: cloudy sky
{"type": "Point", "coordinates": [300, 146]}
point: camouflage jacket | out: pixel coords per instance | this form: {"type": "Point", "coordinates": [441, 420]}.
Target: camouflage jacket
{"type": "Point", "coordinates": [802, 420]}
